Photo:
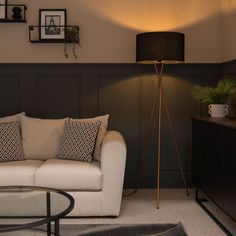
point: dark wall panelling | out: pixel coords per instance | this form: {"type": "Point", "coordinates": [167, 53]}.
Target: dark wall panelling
{"type": "Point", "coordinates": [229, 69]}
{"type": "Point", "coordinates": [57, 96]}
{"type": "Point", "coordinates": [119, 96]}
{"type": "Point", "coordinates": [10, 93]}
{"type": "Point", "coordinates": [125, 91]}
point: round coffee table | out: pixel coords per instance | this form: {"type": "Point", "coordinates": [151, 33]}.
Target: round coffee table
{"type": "Point", "coordinates": [55, 203]}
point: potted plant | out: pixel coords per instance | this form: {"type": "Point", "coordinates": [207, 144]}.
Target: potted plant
{"type": "Point", "coordinates": [71, 36]}
{"type": "Point", "coordinates": [216, 96]}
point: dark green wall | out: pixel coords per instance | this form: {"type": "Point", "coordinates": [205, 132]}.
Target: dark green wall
{"type": "Point", "coordinates": [125, 91]}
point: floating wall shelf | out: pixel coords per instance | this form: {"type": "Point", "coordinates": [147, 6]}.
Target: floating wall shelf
{"type": "Point", "coordinates": [38, 34]}
{"type": "Point", "coordinates": [14, 13]}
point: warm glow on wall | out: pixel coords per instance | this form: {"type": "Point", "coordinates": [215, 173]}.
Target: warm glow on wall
{"type": "Point", "coordinates": [228, 5]}
{"type": "Point", "coordinates": [109, 29]}
{"type": "Point", "coordinates": [150, 15]}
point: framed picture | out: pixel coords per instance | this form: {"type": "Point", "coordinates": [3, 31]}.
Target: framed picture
{"type": "Point", "coordinates": [51, 23]}
{"type": "Point", "coordinates": [3, 9]}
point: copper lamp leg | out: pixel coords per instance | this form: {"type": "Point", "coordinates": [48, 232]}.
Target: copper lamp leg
{"type": "Point", "coordinates": [147, 138]}
{"type": "Point", "coordinates": [170, 120]}
{"type": "Point", "coordinates": [158, 97]}
{"type": "Point", "coordinates": [159, 75]}
{"type": "Point", "coordinates": [162, 96]}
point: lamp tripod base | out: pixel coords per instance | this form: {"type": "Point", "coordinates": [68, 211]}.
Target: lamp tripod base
{"type": "Point", "coordinates": [160, 101]}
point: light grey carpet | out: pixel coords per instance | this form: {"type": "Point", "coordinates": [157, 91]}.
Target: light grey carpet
{"type": "Point", "coordinates": [175, 207]}
{"type": "Point", "coordinates": [140, 209]}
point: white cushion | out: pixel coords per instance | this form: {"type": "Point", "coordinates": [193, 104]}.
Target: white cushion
{"type": "Point", "coordinates": [41, 138]}
{"type": "Point", "coordinates": [11, 118]}
{"type": "Point", "coordinates": [69, 175]}
{"type": "Point", "coordinates": [18, 172]}
{"type": "Point", "coordinates": [101, 133]}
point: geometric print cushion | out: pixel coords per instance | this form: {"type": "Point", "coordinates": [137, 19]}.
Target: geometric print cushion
{"type": "Point", "coordinates": [101, 133]}
{"type": "Point", "coordinates": [10, 142]}
{"type": "Point", "coordinates": [79, 140]}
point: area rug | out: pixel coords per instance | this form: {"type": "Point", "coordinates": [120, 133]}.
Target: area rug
{"type": "Point", "coordinates": [124, 230]}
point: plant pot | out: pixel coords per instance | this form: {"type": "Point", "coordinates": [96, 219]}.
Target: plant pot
{"type": "Point", "coordinates": [218, 110]}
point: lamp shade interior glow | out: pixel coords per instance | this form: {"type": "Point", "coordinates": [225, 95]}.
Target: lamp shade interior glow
{"type": "Point", "coordinates": [160, 47]}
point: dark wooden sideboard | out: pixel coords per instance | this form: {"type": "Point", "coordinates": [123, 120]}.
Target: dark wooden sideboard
{"type": "Point", "coordinates": [214, 161]}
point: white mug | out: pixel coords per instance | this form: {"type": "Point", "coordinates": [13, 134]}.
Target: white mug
{"type": "Point", "coordinates": [218, 110]}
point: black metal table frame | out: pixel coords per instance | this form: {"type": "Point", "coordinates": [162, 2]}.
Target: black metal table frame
{"type": "Point", "coordinates": [200, 202]}
{"type": "Point", "coordinates": [48, 219]}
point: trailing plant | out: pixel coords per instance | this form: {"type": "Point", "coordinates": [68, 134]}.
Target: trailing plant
{"type": "Point", "coordinates": [220, 94]}
{"type": "Point", "coordinates": [71, 36]}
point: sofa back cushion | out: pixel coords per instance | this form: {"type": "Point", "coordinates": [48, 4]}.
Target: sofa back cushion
{"type": "Point", "coordinates": [10, 142]}
{"type": "Point", "coordinates": [41, 138]}
{"type": "Point", "coordinates": [79, 140]}
{"type": "Point", "coordinates": [12, 118]}
{"type": "Point", "coordinates": [101, 133]}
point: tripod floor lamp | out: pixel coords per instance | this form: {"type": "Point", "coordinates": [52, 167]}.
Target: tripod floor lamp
{"type": "Point", "coordinates": [160, 48]}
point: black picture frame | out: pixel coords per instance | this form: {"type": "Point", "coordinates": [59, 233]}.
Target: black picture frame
{"type": "Point", "coordinates": [57, 18]}
{"type": "Point", "coordinates": [4, 9]}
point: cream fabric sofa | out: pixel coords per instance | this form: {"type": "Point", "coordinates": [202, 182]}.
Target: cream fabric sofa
{"type": "Point", "coordinates": [96, 187]}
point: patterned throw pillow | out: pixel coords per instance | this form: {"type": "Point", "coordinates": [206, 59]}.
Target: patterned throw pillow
{"type": "Point", "coordinates": [10, 142]}
{"type": "Point", "coordinates": [101, 133]}
{"type": "Point", "coordinates": [79, 141]}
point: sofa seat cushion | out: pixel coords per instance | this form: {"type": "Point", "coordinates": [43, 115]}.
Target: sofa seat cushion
{"type": "Point", "coordinates": [69, 175]}
{"type": "Point", "coordinates": [18, 172]}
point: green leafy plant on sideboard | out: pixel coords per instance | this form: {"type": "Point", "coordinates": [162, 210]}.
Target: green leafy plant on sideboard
{"type": "Point", "coordinates": [217, 96]}
{"type": "Point", "coordinates": [220, 94]}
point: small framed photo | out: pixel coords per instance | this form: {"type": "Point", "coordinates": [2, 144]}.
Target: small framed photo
{"type": "Point", "coordinates": [51, 23]}
{"type": "Point", "coordinates": [3, 9]}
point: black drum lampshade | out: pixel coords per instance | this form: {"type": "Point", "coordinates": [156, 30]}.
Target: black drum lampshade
{"type": "Point", "coordinates": [160, 47]}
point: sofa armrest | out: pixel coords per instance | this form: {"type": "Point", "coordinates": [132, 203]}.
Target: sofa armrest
{"type": "Point", "coordinates": [113, 160]}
